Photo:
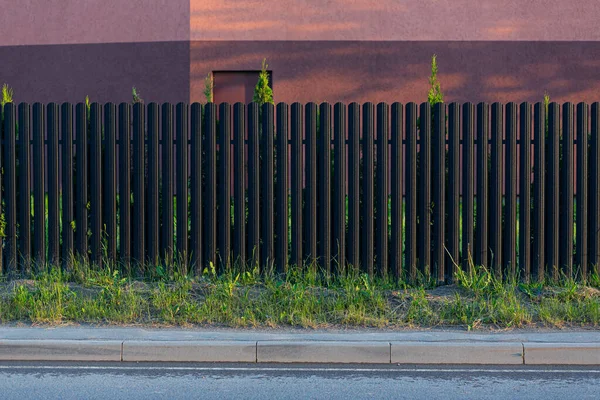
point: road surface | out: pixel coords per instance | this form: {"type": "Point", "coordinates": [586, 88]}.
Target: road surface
{"type": "Point", "coordinates": [34, 380]}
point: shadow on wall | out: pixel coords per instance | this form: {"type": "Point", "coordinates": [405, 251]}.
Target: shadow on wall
{"type": "Point", "coordinates": [307, 70]}
{"type": "Point", "coordinates": [104, 72]}
{"type": "Point", "coordinates": [398, 71]}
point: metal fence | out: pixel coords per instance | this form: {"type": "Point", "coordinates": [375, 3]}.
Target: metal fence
{"type": "Point", "coordinates": [387, 189]}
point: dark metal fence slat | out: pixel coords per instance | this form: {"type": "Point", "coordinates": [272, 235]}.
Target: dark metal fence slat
{"type": "Point", "coordinates": [224, 186]}
{"type": "Point", "coordinates": [124, 184]}
{"type": "Point", "coordinates": [397, 131]}
{"type": "Point", "coordinates": [324, 176]}
{"type": "Point", "coordinates": [482, 199]}
{"type": "Point", "coordinates": [181, 132]}
{"type": "Point", "coordinates": [453, 257]}
{"type": "Point", "coordinates": [539, 182]}
{"type": "Point", "coordinates": [339, 186]}
{"type": "Point", "coordinates": [109, 202]}
{"type": "Point", "coordinates": [267, 137]}
{"type": "Point", "coordinates": [39, 193]}
{"type": "Point", "coordinates": [10, 186]}
{"type": "Point", "coordinates": [68, 217]}
{"type": "Point", "coordinates": [139, 209]}
{"type": "Point", "coordinates": [354, 226]}
{"type": "Point", "coordinates": [196, 243]}
{"type": "Point", "coordinates": [411, 191]}
{"type": "Point", "coordinates": [509, 239]}
{"type": "Point", "coordinates": [438, 191]}
{"type": "Point", "coordinates": [311, 181]}
{"type": "Point", "coordinates": [281, 196]}
{"type": "Point", "coordinates": [566, 191]}
{"type": "Point", "coordinates": [95, 177]}
{"type": "Point", "coordinates": [53, 184]}
{"type": "Point", "coordinates": [368, 190]}
{"type": "Point", "coordinates": [581, 213]}
{"type": "Point", "coordinates": [210, 234]}
{"type": "Point", "coordinates": [254, 184]}
{"type": "Point", "coordinates": [152, 190]}
{"type": "Point", "coordinates": [525, 193]}
{"type": "Point", "coordinates": [239, 218]}
{"type": "Point", "coordinates": [167, 229]}
{"type": "Point", "coordinates": [468, 175]}
{"type": "Point", "coordinates": [424, 251]}
{"type": "Point", "coordinates": [297, 131]}
{"type": "Point", "coordinates": [496, 189]}
{"type": "Point", "coordinates": [239, 178]}
{"type": "Point", "coordinates": [552, 191]}
{"type": "Point", "coordinates": [383, 132]}
{"type": "Point", "coordinates": [594, 191]}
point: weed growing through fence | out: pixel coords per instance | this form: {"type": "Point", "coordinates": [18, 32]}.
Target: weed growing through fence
{"type": "Point", "coordinates": [136, 97]}
{"type": "Point", "coordinates": [209, 85]}
{"type": "Point", "coordinates": [304, 297]}
{"type": "Point", "coordinates": [262, 92]}
{"type": "Point", "coordinates": [546, 104]}
{"type": "Point", "coordinates": [7, 95]}
{"type": "Point", "coordinates": [435, 94]}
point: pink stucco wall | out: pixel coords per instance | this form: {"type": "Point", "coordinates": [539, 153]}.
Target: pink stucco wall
{"type": "Point", "coordinates": [105, 21]}
{"type": "Point", "coordinates": [380, 50]}
{"type": "Point", "coordinates": [63, 50]}
{"type": "Point", "coordinates": [334, 50]}
{"type": "Point", "coordinates": [37, 22]}
{"type": "Point", "coordinates": [394, 20]}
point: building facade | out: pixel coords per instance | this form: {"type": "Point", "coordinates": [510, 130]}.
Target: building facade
{"type": "Point", "coordinates": [317, 50]}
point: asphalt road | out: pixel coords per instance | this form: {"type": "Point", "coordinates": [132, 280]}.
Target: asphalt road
{"type": "Point", "coordinates": [250, 381]}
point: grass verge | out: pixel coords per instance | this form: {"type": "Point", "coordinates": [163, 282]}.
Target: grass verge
{"type": "Point", "coordinates": [298, 299]}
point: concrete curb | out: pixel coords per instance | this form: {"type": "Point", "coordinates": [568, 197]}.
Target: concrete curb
{"type": "Point", "coordinates": [562, 353]}
{"type": "Point", "coordinates": [61, 350]}
{"type": "Point", "coordinates": [504, 353]}
{"type": "Point", "coordinates": [197, 351]}
{"type": "Point", "coordinates": [323, 352]}
{"type": "Point", "coordinates": [302, 351]}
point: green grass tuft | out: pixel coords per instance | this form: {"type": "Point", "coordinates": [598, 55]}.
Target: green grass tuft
{"type": "Point", "coordinates": [301, 298]}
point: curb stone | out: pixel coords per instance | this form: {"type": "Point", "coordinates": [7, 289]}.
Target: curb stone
{"type": "Point", "coordinates": [204, 351]}
{"type": "Point", "coordinates": [303, 351]}
{"type": "Point", "coordinates": [323, 352]}
{"type": "Point", "coordinates": [562, 353]}
{"type": "Point", "coordinates": [60, 350]}
{"type": "Point", "coordinates": [505, 353]}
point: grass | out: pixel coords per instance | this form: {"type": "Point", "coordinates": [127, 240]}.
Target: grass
{"type": "Point", "coordinates": [301, 298]}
